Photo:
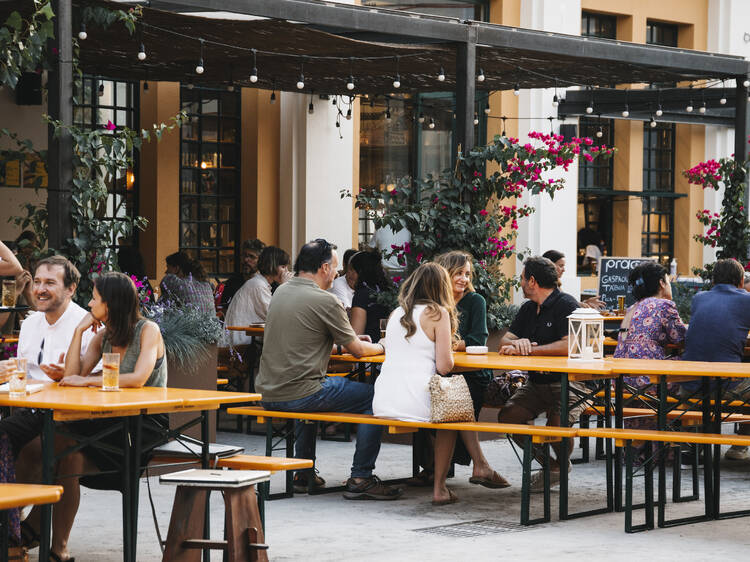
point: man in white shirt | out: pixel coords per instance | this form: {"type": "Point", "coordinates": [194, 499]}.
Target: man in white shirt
{"type": "Point", "coordinates": [46, 334]}
{"type": "Point", "coordinates": [343, 285]}
{"type": "Point", "coordinates": [384, 239]}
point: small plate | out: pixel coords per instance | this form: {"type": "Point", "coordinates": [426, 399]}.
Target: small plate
{"type": "Point", "coordinates": [476, 349]}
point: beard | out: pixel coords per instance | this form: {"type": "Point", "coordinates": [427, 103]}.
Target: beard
{"type": "Point", "coordinates": [50, 305]}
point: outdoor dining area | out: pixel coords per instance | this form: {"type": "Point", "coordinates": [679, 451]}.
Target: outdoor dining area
{"type": "Point", "coordinates": [388, 400]}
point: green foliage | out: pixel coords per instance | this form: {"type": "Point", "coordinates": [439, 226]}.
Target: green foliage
{"type": "Point", "coordinates": [188, 333]}
{"type": "Point", "coordinates": [466, 209]}
{"type": "Point", "coordinates": [23, 42]}
{"type": "Point", "coordinates": [682, 295]}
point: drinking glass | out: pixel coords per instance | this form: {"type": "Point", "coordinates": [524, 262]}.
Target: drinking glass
{"type": "Point", "coordinates": [9, 293]}
{"type": "Point", "coordinates": [17, 384]}
{"type": "Point", "coordinates": [621, 304]}
{"type": "Point", "coordinates": [383, 326]}
{"type": "Point", "coordinates": [110, 371]}
{"type": "Point", "coordinates": [21, 364]}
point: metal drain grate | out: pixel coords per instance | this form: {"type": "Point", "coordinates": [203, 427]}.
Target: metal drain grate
{"type": "Point", "coordinates": [474, 528]}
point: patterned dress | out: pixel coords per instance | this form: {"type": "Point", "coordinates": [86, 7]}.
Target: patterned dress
{"type": "Point", "coordinates": [654, 323]}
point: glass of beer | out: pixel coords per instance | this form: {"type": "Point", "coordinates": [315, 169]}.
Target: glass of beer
{"type": "Point", "coordinates": [9, 293]}
{"type": "Point", "coordinates": [383, 326]}
{"type": "Point", "coordinates": [17, 381]}
{"type": "Point", "coordinates": [110, 371]}
{"type": "Point", "coordinates": [620, 304]}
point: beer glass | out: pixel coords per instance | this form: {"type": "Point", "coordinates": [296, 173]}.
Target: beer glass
{"type": "Point", "coordinates": [110, 371]}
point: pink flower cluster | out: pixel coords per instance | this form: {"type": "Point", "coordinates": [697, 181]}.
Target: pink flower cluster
{"type": "Point", "coordinates": [705, 174]}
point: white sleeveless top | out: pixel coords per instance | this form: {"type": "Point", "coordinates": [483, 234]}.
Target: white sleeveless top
{"type": "Point", "coordinates": [402, 388]}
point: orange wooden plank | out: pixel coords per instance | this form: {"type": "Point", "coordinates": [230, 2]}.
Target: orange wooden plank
{"type": "Point", "coordinates": [254, 462]}
{"type": "Point", "coordinates": [17, 495]}
{"type": "Point", "coordinates": [665, 436]}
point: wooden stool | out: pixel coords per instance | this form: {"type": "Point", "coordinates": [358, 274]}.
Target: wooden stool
{"type": "Point", "coordinates": [243, 529]}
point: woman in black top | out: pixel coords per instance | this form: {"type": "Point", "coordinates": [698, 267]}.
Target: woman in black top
{"type": "Point", "coordinates": [372, 280]}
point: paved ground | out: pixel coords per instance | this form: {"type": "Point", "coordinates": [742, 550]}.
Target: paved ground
{"type": "Point", "coordinates": [328, 527]}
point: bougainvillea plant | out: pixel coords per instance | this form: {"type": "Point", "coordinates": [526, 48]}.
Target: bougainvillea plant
{"type": "Point", "coordinates": [727, 230]}
{"type": "Point", "coordinates": [468, 209]}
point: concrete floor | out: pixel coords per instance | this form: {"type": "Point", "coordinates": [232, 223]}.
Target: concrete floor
{"type": "Point", "coordinates": [328, 527]}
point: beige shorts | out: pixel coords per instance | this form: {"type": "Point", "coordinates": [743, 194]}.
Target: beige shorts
{"type": "Point", "coordinates": [539, 398]}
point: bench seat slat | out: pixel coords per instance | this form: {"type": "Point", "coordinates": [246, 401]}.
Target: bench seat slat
{"type": "Point", "coordinates": [665, 436]}
{"type": "Point", "coordinates": [255, 462]}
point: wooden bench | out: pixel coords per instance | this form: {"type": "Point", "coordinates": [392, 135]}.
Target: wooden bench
{"type": "Point", "coordinates": [19, 495]}
{"type": "Point", "coordinates": [536, 434]}
{"type": "Point", "coordinates": [624, 438]}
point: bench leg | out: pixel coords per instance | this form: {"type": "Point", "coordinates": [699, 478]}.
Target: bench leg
{"type": "Point", "coordinates": [583, 442]}
{"type": "Point", "coordinates": [648, 490]}
{"type": "Point", "coordinates": [528, 455]}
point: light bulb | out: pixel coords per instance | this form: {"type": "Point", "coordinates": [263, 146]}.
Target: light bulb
{"type": "Point", "coordinates": [702, 108]}
{"type": "Point", "coordinates": [397, 82]}
{"type": "Point", "coordinates": [555, 101]}
{"type": "Point", "coordinates": [421, 118]}
{"type": "Point", "coordinates": [432, 123]}
{"type": "Point", "coordinates": [516, 91]}
{"type": "Point", "coordinates": [659, 111]}
{"type": "Point", "coordinates": [746, 83]}
{"type": "Point", "coordinates": [254, 75]}
{"type": "Point", "coordinates": [349, 114]}
{"type": "Point", "coordinates": [689, 107]}
{"type": "Point", "coordinates": [723, 101]}
{"type": "Point", "coordinates": [350, 83]}
{"type": "Point", "coordinates": [190, 86]}
{"type": "Point", "coordinates": [652, 123]}
{"type": "Point", "coordinates": [145, 86]}
{"type": "Point", "coordinates": [199, 68]}
{"type": "Point", "coordinates": [599, 133]}
{"type": "Point", "coordinates": [142, 52]}
{"type": "Point", "coordinates": [101, 89]}
{"type": "Point", "coordinates": [441, 75]}
{"type": "Point", "coordinates": [273, 98]}
{"type": "Point", "coordinates": [301, 81]}
{"type": "Point", "coordinates": [230, 88]}
{"type": "Point", "coordinates": [82, 35]}
{"type": "Point", "coordinates": [626, 112]}
{"type": "Point", "coordinates": [480, 76]}
{"type": "Point", "coordinates": [476, 119]}
{"type": "Point", "coordinates": [311, 108]}
{"type": "Point", "coordinates": [589, 109]}
{"type": "Point", "coordinates": [487, 110]}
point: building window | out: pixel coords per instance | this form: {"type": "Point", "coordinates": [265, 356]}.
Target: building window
{"type": "Point", "coordinates": [658, 33]}
{"type": "Point", "coordinates": [657, 238]}
{"type": "Point", "coordinates": [210, 178]}
{"type": "Point", "coordinates": [477, 10]}
{"type": "Point", "coordinates": [598, 25]}
{"type": "Point", "coordinates": [595, 180]}
{"type": "Point", "coordinates": [101, 100]}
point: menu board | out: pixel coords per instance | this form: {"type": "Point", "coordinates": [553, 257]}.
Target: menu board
{"type": "Point", "coordinates": [613, 279]}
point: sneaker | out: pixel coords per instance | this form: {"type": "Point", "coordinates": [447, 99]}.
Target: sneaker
{"type": "Point", "coordinates": [370, 489]}
{"type": "Point", "coordinates": [737, 453]}
{"type": "Point", "coordinates": [536, 485]}
{"type": "Point", "coordinates": [300, 483]}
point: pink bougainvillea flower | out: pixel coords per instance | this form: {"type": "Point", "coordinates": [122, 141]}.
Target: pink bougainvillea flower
{"type": "Point", "coordinates": [483, 212]}
{"type": "Point", "coordinates": [110, 126]}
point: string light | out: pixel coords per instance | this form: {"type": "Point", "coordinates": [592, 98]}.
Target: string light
{"type": "Point", "coordinates": [273, 93]}
{"type": "Point", "coordinates": [421, 117]}
{"type": "Point", "coordinates": [516, 90]}
{"type": "Point", "coordinates": [432, 123]}
{"type": "Point", "coordinates": [82, 35]}
{"type": "Point", "coordinates": [311, 107]}
{"type": "Point", "coordinates": [590, 106]}
{"type": "Point", "coordinates": [702, 108]}
{"type": "Point", "coordinates": [555, 99]}
{"type": "Point", "coordinates": [397, 78]}
{"type": "Point", "coordinates": [254, 70]}
{"type": "Point", "coordinates": [689, 107]}
{"type": "Point", "coordinates": [301, 79]}
{"type": "Point", "coordinates": [600, 132]}
{"type": "Point", "coordinates": [145, 85]}
{"type": "Point", "coordinates": [480, 76]}
{"type": "Point", "coordinates": [487, 110]}
{"type": "Point", "coordinates": [503, 134]}
{"type": "Point", "coordinates": [652, 123]}
{"type": "Point", "coordinates": [349, 114]}
{"type": "Point", "coordinates": [746, 83]}
{"type": "Point", "coordinates": [388, 109]}
{"type": "Point", "coordinates": [441, 75]}
{"type": "Point", "coordinates": [350, 82]}
{"type": "Point", "coordinates": [101, 89]}
{"type": "Point", "coordinates": [626, 111]}
{"type": "Point", "coordinates": [659, 111]}
{"type": "Point", "coordinates": [199, 67]}
{"type": "Point", "coordinates": [476, 118]}
{"type": "Point", "coordinates": [141, 52]}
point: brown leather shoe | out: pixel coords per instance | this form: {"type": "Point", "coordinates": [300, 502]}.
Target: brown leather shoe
{"type": "Point", "coordinates": [370, 489]}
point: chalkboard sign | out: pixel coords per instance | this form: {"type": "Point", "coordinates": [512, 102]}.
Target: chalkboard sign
{"type": "Point", "coordinates": [613, 279]}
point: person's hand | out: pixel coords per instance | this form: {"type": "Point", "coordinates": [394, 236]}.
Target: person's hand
{"type": "Point", "coordinates": [286, 276]}
{"type": "Point", "coordinates": [522, 346]}
{"type": "Point", "coordinates": [508, 350]}
{"type": "Point", "coordinates": [364, 337]}
{"type": "Point", "coordinates": [76, 380]}
{"type": "Point", "coordinates": [55, 371]}
{"type": "Point", "coordinates": [23, 280]}
{"type": "Point", "coordinates": [594, 302]}
{"type": "Point", "coordinates": [89, 322]}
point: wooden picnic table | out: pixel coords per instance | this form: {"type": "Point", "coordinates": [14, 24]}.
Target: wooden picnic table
{"type": "Point", "coordinates": [65, 403]}
{"type": "Point", "coordinates": [6, 340]}
{"type": "Point", "coordinates": [252, 330]}
{"type": "Point", "coordinates": [19, 495]}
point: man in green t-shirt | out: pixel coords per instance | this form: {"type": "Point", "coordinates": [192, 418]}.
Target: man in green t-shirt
{"type": "Point", "coordinates": [305, 324]}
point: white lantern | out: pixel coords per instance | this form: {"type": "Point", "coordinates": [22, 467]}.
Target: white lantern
{"type": "Point", "coordinates": [585, 335]}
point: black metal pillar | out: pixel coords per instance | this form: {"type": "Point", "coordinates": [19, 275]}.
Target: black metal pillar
{"type": "Point", "coordinates": [742, 127]}
{"type": "Point", "coordinates": [60, 107]}
{"type": "Point", "coordinates": [466, 60]}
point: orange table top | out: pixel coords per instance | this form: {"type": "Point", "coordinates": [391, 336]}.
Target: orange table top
{"type": "Point", "coordinates": [92, 400]}
{"type": "Point", "coordinates": [679, 368]}
{"type": "Point", "coordinates": [17, 495]}
{"type": "Point", "coordinates": [256, 330]}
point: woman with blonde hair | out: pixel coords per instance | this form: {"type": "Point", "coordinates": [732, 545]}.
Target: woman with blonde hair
{"type": "Point", "coordinates": [419, 339]}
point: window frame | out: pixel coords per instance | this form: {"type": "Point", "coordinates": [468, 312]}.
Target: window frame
{"type": "Point", "coordinates": [650, 211]}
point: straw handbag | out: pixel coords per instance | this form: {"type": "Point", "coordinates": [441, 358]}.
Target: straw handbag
{"type": "Point", "coordinates": [450, 400]}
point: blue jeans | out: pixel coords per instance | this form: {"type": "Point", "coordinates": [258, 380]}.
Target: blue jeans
{"type": "Point", "coordinates": [338, 394]}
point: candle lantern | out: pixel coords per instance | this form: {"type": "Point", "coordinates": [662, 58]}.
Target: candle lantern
{"type": "Point", "coordinates": [585, 334]}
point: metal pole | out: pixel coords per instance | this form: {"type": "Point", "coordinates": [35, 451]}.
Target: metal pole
{"type": "Point", "coordinates": [60, 148]}
{"type": "Point", "coordinates": [742, 126]}
{"type": "Point", "coordinates": [466, 60]}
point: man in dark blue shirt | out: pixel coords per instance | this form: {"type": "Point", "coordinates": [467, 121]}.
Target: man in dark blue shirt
{"type": "Point", "coordinates": [718, 330]}
{"type": "Point", "coordinates": [540, 328]}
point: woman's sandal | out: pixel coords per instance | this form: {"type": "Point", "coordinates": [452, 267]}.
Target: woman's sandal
{"type": "Point", "coordinates": [421, 480]}
{"type": "Point", "coordinates": [495, 481]}
{"type": "Point", "coordinates": [452, 498]}
{"type": "Point", "coordinates": [53, 557]}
